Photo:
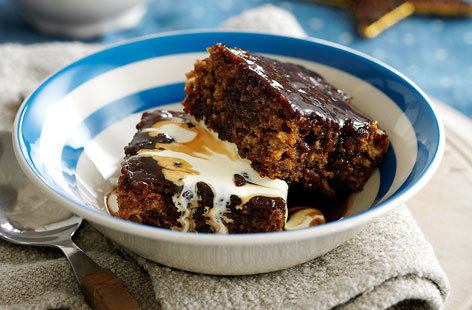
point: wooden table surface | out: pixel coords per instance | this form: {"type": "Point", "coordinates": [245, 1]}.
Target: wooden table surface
{"type": "Point", "coordinates": [443, 209]}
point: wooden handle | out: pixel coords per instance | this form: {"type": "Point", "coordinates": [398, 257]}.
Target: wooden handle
{"type": "Point", "coordinates": [103, 291]}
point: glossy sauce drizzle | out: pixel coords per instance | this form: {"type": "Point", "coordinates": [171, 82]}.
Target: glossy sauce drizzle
{"type": "Point", "coordinates": [182, 151]}
{"type": "Point", "coordinates": [333, 209]}
{"type": "Point", "coordinates": [188, 154]}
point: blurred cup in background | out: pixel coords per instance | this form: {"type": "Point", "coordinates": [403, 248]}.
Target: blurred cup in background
{"type": "Point", "coordinates": [82, 19]}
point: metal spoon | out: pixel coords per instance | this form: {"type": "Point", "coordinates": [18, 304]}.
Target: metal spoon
{"type": "Point", "coordinates": [27, 217]}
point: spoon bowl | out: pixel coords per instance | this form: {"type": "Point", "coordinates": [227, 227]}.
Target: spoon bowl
{"type": "Point", "coordinates": [28, 218]}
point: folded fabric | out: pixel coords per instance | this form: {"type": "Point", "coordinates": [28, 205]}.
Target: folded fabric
{"type": "Point", "coordinates": [387, 265]}
{"type": "Point", "coordinates": [23, 67]}
{"type": "Point", "coordinates": [267, 18]}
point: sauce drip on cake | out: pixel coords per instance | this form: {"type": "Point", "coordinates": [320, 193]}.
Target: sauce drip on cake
{"type": "Point", "coordinates": [306, 91]}
{"type": "Point", "coordinates": [211, 180]}
{"type": "Point", "coordinates": [253, 127]}
{"type": "Point", "coordinates": [289, 121]}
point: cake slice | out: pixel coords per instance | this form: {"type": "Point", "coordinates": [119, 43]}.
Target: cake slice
{"type": "Point", "coordinates": [179, 175]}
{"type": "Point", "coordinates": [285, 119]}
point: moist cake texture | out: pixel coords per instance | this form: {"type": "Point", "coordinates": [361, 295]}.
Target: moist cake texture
{"type": "Point", "coordinates": [179, 175]}
{"type": "Point", "coordinates": [253, 127]}
{"type": "Point", "coordinates": [285, 119]}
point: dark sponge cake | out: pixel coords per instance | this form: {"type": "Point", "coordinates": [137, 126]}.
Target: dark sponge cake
{"type": "Point", "coordinates": [167, 181]}
{"type": "Point", "coordinates": [287, 120]}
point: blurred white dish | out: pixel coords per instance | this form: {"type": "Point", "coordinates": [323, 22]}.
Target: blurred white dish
{"type": "Point", "coordinates": [81, 19]}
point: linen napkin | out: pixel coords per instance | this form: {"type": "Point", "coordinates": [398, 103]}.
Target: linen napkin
{"type": "Point", "coordinates": [389, 265]}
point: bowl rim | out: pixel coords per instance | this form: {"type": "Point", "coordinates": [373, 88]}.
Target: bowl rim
{"type": "Point", "coordinates": [156, 233]}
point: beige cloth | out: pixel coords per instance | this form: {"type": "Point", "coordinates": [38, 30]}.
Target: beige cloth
{"type": "Point", "coordinates": [388, 265]}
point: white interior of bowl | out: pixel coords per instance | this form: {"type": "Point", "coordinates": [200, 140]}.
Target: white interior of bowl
{"type": "Point", "coordinates": [99, 163]}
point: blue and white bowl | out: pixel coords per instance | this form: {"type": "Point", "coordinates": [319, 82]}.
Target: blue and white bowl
{"type": "Point", "coordinates": [70, 133]}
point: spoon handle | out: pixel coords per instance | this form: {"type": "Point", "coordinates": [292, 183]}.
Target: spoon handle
{"type": "Point", "coordinates": [101, 288]}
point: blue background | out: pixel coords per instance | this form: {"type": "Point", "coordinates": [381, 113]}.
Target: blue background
{"type": "Point", "coordinates": [434, 52]}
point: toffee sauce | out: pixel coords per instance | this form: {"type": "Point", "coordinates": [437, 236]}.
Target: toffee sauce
{"type": "Point", "coordinates": [333, 208]}
{"type": "Point", "coordinates": [146, 170]}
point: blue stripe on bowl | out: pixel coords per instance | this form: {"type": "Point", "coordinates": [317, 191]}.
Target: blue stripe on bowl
{"type": "Point", "coordinates": [421, 161]}
{"type": "Point", "coordinates": [387, 174]}
{"type": "Point", "coordinates": [391, 84]}
{"type": "Point", "coordinates": [94, 124]}
{"type": "Point", "coordinates": [101, 119]}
